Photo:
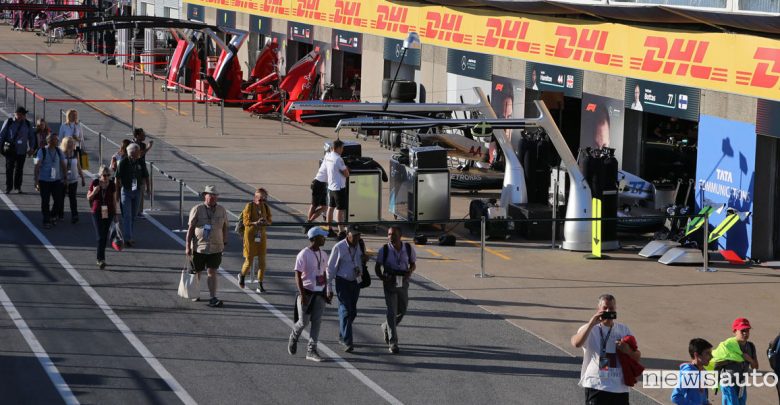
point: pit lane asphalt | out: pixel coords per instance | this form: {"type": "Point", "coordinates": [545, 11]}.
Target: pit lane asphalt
{"type": "Point", "coordinates": [452, 351]}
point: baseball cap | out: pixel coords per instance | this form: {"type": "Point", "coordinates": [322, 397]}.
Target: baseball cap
{"type": "Point", "coordinates": [21, 110]}
{"type": "Point", "coordinates": [354, 229]}
{"type": "Point", "coordinates": [210, 190]}
{"type": "Point", "coordinates": [316, 231]}
{"type": "Point", "coordinates": [740, 324]}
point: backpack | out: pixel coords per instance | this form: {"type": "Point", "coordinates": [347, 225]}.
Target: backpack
{"type": "Point", "coordinates": [385, 255]}
{"type": "Point", "coordinates": [771, 352]}
{"type": "Point", "coordinates": [365, 280]}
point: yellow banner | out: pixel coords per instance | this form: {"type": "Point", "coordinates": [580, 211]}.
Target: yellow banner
{"type": "Point", "coordinates": [732, 63]}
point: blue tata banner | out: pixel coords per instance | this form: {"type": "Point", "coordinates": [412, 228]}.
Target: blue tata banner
{"type": "Point", "coordinates": [725, 173]}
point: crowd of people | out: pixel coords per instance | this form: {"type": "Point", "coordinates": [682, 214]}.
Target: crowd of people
{"type": "Point", "coordinates": [318, 275]}
{"type": "Point", "coordinates": [58, 171]}
{"type": "Point", "coordinates": [611, 362]}
{"type": "Point", "coordinates": [611, 356]}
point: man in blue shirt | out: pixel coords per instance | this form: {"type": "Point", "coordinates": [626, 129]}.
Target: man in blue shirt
{"type": "Point", "coordinates": [345, 266]}
{"type": "Point", "coordinates": [18, 141]}
{"type": "Point", "coordinates": [395, 263]}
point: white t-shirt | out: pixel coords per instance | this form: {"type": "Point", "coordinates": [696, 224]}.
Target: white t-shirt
{"type": "Point", "coordinates": [72, 130]}
{"type": "Point", "coordinates": [334, 165]}
{"type": "Point", "coordinates": [312, 266]}
{"type": "Point", "coordinates": [611, 379]}
{"type": "Point", "coordinates": [322, 173]}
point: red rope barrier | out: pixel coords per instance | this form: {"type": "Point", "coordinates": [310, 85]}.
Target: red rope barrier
{"type": "Point", "coordinates": [82, 54]}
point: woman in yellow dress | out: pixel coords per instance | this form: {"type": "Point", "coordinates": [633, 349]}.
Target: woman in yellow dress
{"type": "Point", "coordinates": [256, 216]}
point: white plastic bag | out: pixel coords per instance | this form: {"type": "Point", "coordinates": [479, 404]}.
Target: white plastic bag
{"type": "Point", "coordinates": [188, 283]}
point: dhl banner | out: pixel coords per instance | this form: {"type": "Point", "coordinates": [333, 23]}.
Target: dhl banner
{"type": "Point", "coordinates": [733, 63]}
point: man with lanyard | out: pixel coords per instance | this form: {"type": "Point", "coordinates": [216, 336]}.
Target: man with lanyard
{"type": "Point", "coordinates": [130, 175]}
{"type": "Point", "coordinates": [313, 293]}
{"type": "Point", "coordinates": [19, 134]}
{"type": "Point", "coordinates": [395, 263]}
{"type": "Point", "coordinates": [600, 339]}
{"type": "Point", "coordinates": [50, 178]}
{"type": "Point", "coordinates": [208, 232]}
{"type": "Point", "coordinates": [345, 266]}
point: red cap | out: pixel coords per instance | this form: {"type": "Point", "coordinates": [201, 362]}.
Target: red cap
{"type": "Point", "coordinates": [740, 324]}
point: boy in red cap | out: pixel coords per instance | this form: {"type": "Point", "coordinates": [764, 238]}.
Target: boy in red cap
{"type": "Point", "coordinates": [725, 362]}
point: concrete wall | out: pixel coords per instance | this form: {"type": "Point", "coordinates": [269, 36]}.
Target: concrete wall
{"type": "Point", "coordinates": [242, 23]}
{"type": "Point", "coordinates": [604, 85]}
{"type": "Point", "coordinates": [728, 106]}
{"type": "Point", "coordinates": [512, 68]}
{"type": "Point", "coordinates": [433, 73]}
{"type": "Point", "coordinates": [372, 72]}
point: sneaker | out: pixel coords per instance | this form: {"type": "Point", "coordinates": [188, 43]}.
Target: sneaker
{"type": "Point", "coordinates": [101, 264]}
{"type": "Point", "coordinates": [260, 288]}
{"type": "Point", "coordinates": [19, 190]}
{"type": "Point", "coordinates": [196, 299]}
{"type": "Point", "coordinates": [215, 302]}
{"type": "Point", "coordinates": [348, 348]}
{"type": "Point", "coordinates": [241, 280]}
{"type": "Point", "coordinates": [394, 349]}
{"type": "Point", "coordinates": [385, 333]}
{"type": "Point", "coordinates": [313, 355]}
{"type": "Point", "coordinates": [292, 345]}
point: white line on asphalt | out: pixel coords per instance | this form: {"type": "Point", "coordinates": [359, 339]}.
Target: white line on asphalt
{"type": "Point", "coordinates": [177, 388]}
{"type": "Point", "coordinates": [37, 349]}
{"type": "Point", "coordinates": [287, 321]}
{"type": "Point", "coordinates": [28, 57]}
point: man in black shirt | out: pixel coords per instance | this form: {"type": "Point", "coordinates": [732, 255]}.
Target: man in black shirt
{"type": "Point", "coordinates": [131, 174]}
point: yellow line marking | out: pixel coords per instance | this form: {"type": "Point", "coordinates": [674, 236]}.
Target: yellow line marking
{"type": "Point", "coordinates": [433, 252]}
{"type": "Point", "coordinates": [489, 250]}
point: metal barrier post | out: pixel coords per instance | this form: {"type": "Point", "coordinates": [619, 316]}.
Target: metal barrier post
{"type": "Point", "coordinates": [15, 105]}
{"type": "Point", "coordinates": [181, 204]}
{"type": "Point", "coordinates": [151, 185]}
{"type": "Point", "coordinates": [44, 109]}
{"type": "Point", "coordinates": [153, 85]}
{"type": "Point", "coordinates": [165, 90]}
{"type": "Point", "coordinates": [208, 100]}
{"type": "Point", "coordinates": [25, 99]}
{"type": "Point", "coordinates": [143, 83]}
{"type": "Point", "coordinates": [222, 117]}
{"type": "Point", "coordinates": [123, 78]}
{"type": "Point", "coordinates": [178, 99]}
{"type": "Point", "coordinates": [35, 116]}
{"type": "Point", "coordinates": [61, 115]}
{"type": "Point", "coordinates": [192, 101]}
{"type": "Point", "coordinates": [554, 214]}
{"type": "Point", "coordinates": [482, 273]}
{"type": "Point", "coordinates": [36, 65]}
{"type": "Point", "coordinates": [104, 47]}
{"type": "Point", "coordinates": [132, 114]}
{"type": "Point", "coordinates": [281, 113]}
{"type": "Point", "coordinates": [706, 246]}
{"type": "Point", "coordinates": [6, 90]}
{"type": "Point", "coordinates": [100, 148]}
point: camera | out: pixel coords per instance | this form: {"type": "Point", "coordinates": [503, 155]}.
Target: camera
{"type": "Point", "coordinates": [609, 315]}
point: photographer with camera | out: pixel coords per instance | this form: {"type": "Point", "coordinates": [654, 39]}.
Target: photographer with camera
{"type": "Point", "coordinates": [602, 339]}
